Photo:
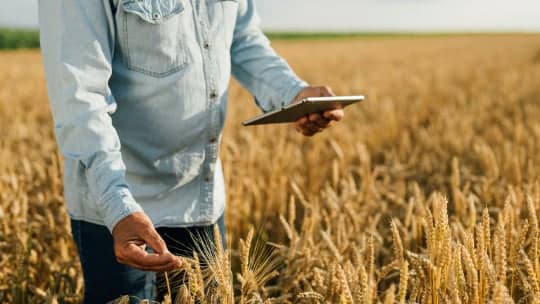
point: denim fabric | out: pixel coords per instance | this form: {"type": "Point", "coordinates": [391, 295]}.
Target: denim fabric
{"type": "Point", "coordinates": [138, 93]}
{"type": "Point", "coordinates": [105, 279]}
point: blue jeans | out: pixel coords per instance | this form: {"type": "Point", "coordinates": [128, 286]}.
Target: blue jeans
{"type": "Point", "coordinates": [105, 279]}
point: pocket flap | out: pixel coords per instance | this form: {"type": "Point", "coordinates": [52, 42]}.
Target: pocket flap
{"type": "Point", "coordinates": [153, 11]}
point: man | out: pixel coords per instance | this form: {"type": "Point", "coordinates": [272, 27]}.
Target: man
{"type": "Point", "coordinates": [138, 96]}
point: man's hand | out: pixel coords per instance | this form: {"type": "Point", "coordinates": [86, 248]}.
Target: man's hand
{"type": "Point", "coordinates": [131, 236]}
{"type": "Point", "coordinates": [316, 122]}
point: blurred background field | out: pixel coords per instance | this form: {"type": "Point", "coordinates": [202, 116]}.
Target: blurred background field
{"type": "Point", "coordinates": [428, 192]}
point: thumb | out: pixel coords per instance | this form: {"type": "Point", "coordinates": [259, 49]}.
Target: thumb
{"type": "Point", "coordinates": [154, 240]}
{"type": "Point", "coordinates": [326, 91]}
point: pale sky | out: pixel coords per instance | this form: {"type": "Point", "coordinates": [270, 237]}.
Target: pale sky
{"type": "Point", "coordinates": [362, 15]}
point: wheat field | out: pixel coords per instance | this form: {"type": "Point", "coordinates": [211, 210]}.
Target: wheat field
{"type": "Point", "coordinates": [429, 192]}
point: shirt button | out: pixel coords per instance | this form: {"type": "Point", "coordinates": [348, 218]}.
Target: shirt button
{"type": "Point", "coordinates": [213, 140]}
{"type": "Point", "coordinates": [207, 179]}
{"type": "Point", "coordinates": [206, 45]}
{"type": "Point", "coordinates": [213, 94]}
{"type": "Point", "coordinates": [156, 16]}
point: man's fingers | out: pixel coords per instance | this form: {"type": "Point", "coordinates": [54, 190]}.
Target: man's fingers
{"type": "Point", "coordinates": [154, 240]}
{"type": "Point", "coordinates": [307, 133]}
{"type": "Point", "coordinates": [306, 123]}
{"type": "Point", "coordinates": [307, 127]}
{"type": "Point", "coordinates": [135, 256]}
{"type": "Point", "coordinates": [314, 123]}
{"type": "Point", "coordinates": [141, 264]}
{"type": "Point", "coordinates": [302, 120]}
{"type": "Point", "coordinates": [335, 115]}
{"type": "Point", "coordinates": [318, 119]}
{"type": "Point", "coordinates": [313, 127]}
{"type": "Point", "coordinates": [132, 236]}
{"type": "Point", "coordinates": [161, 268]}
{"type": "Point", "coordinates": [138, 257]}
{"type": "Point", "coordinates": [168, 267]}
{"type": "Point", "coordinates": [304, 129]}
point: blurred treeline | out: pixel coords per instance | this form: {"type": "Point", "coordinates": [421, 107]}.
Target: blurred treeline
{"type": "Point", "coordinates": [18, 38]}
{"type": "Point", "coordinates": [28, 38]}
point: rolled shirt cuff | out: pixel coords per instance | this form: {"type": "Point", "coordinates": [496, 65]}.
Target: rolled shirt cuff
{"type": "Point", "coordinates": [117, 206]}
{"type": "Point", "coordinates": [283, 98]}
{"type": "Point", "coordinates": [293, 91]}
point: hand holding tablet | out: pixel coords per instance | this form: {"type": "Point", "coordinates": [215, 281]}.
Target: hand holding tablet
{"type": "Point", "coordinates": [306, 106]}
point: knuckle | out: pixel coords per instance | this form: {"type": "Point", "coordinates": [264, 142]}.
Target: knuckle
{"type": "Point", "coordinates": [120, 259]}
{"type": "Point", "coordinates": [118, 253]}
{"type": "Point", "coordinates": [121, 256]}
{"type": "Point", "coordinates": [167, 257]}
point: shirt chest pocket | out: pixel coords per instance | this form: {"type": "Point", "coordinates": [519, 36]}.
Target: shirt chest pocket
{"type": "Point", "coordinates": [153, 36]}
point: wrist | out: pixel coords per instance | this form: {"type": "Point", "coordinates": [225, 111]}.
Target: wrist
{"type": "Point", "coordinates": [296, 91]}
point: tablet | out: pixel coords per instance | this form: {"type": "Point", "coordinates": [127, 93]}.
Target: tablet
{"type": "Point", "coordinates": [306, 106]}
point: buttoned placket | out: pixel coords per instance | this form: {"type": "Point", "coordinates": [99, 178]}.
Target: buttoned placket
{"type": "Point", "coordinates": [212, 105]}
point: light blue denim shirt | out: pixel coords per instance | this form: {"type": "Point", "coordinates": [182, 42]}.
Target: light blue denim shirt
{"type": "Point", "coordinates": [138, 92]}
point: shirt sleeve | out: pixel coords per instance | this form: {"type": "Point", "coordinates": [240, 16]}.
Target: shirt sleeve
{"type": "Point", "coordinates": [257, 66]}
{"type": "Point", "coordinates": [77, 39]}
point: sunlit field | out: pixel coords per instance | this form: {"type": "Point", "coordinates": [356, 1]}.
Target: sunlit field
{"type": "Point", "coordinates": [428, 192]}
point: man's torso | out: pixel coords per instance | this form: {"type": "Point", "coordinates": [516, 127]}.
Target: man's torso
{"type": "Point", "coordinates": [170, 74]}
